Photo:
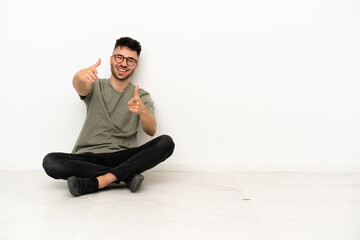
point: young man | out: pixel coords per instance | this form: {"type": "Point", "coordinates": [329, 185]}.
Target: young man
{"type": "Point", "coordinates": [106, 150]}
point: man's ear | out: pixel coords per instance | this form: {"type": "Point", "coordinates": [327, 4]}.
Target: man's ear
{"type": "Point", "coordinates": [136, 65]}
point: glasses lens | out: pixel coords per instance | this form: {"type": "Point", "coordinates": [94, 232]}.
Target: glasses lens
{"type": "Point", "coordinates": [130, 61]}
{"type": "Point", "coordinates": [119, 58]}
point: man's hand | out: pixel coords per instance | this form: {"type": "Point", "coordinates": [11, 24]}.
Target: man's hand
{"type": "Point", "coordinates": [89, 74]}
{"type": "Point", "coordinates": [135, 104]}
{"type": "Point", "coordinates": [83, 79]}
{"type": "Point", "coordinates": [148, 121]}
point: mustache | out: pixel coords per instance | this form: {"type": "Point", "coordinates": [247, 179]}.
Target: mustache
{"type": "Point", "coordinates": [122, 66]}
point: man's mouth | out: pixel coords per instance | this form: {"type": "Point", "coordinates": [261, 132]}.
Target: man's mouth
{"type": "Point", "coordinates": [121, 70]}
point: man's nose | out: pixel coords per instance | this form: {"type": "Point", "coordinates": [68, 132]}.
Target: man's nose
{"type": "Point", "coordinates": [123, 64]}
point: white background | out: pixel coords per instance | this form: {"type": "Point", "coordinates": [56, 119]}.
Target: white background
{"type": "Point", "coordinates": [239, 85]}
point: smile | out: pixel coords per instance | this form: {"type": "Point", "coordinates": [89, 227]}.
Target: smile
{"type": "Point", "coordinates": [121, 69]}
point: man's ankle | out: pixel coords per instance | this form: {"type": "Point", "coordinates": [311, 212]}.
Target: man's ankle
{"type": "Point", "coordinates": [106, 179]}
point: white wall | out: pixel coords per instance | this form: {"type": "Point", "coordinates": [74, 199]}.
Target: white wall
{"type": "Point", "coordinates": [239, 85]}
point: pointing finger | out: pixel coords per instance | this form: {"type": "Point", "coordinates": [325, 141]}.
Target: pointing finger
{"type": "Point", "coordinates": [93, 75]}
{"type": "Point", "coordinates": [90, 79]}
{"type": "Point", "coordinates": [131, 101]}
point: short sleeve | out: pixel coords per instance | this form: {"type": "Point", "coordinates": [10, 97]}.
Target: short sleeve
{"type": "Point", "coordinates": [147, 101]}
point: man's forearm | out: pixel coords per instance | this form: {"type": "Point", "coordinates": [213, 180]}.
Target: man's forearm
{"type": "Point", "coordinates": [81, 87]}
{"type": "Point", "coordinates": [148, 123]}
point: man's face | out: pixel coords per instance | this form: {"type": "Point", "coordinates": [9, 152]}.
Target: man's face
{"type": "Point", "coordinates": [123, 71]}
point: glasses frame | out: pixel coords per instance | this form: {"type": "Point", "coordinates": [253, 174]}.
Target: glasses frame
{"type": "Point", "coordinates": [127, 59]}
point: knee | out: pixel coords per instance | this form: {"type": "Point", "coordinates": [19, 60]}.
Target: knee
{"type": "Point", "coordinates": [50, 164]}
{"type": "Point", "coordinates": [168, 143]}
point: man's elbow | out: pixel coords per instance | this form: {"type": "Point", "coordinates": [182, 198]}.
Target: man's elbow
{"type": "Point", "coordinates": [151, 132]}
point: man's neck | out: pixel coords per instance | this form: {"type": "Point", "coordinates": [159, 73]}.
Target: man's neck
{"type": "Point", "coordinates": [119, 85]}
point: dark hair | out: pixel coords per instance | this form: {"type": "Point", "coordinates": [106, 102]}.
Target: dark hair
{"type": "Point", "coordinates": [130, 43]}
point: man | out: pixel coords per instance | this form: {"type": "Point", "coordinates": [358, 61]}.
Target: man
{"type": "Point", "coordinates": [106, 150]}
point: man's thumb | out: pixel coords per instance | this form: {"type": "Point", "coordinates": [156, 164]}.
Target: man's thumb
{"type": "Point", "coordinates": [96, 64]}
{"type": "Point", "coordinates": [137, 92]}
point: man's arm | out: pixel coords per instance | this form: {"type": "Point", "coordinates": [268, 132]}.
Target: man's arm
{"type": "Point", "coordinates": [83, 79]}
{"type": "Point", "coordinates": [148, 121]}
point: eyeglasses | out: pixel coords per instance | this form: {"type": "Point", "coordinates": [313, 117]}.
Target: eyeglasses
{"type": "Point", "coordinates": [120, 58]}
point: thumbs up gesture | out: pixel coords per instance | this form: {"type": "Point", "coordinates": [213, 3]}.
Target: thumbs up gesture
{"type": "Point", "coordinates": [89, 74]}
{"type": "Point", "coordinates": [135, 104]}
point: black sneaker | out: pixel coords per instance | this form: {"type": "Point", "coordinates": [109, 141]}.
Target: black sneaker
{"type": "Point", "coordinates": [79, 186]}
{"type": "Point", "coordinates": [134, 182]}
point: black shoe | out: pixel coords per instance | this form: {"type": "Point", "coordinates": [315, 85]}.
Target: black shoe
{"type": "Point", "coordinates": [79, 186]}
{"type": "Point", "coordinates": [134, 182]}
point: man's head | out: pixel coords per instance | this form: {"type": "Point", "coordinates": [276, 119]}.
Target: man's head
{"type": "Point", "coordinates": [130, 43]}
{"type": "Point", "coordinates": [125, 58]}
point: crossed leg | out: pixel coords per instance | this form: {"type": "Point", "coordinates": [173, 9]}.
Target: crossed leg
{"type": "Point", "coordinates": [109, 167]}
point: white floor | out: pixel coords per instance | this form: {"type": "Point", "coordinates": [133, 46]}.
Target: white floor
{"type": "Point", "coordinates": [185, 205]}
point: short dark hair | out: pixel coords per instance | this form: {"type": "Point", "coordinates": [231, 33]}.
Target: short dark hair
{"type": "Point", "coordinates": [130, 43]}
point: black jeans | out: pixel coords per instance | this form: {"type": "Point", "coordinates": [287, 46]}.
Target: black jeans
{"type": "Point", "coordinates": [122, 164]}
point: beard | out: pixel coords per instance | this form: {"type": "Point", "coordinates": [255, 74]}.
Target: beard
{"type": "Point", "coordinates": [121, 78]}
